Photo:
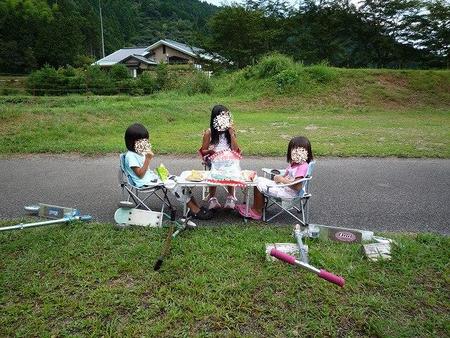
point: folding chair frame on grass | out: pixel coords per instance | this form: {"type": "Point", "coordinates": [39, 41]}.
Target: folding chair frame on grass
{"type": "Point", "coordinates": [140, 196]}
{"type": "Point", "coordinates": [297, 203]}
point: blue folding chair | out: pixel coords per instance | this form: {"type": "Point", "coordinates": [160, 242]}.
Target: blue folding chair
{"type": "Point", "coordinates": [139, 197]}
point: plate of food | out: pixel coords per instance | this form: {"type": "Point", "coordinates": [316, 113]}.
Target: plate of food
{"type": "Point", "coordinates": [196, 176]}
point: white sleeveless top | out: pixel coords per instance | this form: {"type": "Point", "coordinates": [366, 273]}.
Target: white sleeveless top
{"type": "Point", "coordinates": [222, 144]}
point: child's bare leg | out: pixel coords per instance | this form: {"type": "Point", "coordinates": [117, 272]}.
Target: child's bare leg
{"type": "Point", "coordinates": [192, 204]}
{"type": "Point", "coordinates": [212, 191]}
{"type": "Point", "coordinates": [258, 200]}
{"type": "Point", "coordinates": [230, 190]}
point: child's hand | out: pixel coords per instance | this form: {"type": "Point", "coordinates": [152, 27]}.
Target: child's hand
{"type": "Point", "coordinates": [149, 155]}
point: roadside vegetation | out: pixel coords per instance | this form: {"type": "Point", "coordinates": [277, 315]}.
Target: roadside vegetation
{"type": "Point", "coordinates": [90, 279]}
{"type": "Point", "coordinates": [345, 112]}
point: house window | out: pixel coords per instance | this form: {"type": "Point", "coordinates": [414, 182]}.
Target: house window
{"type": "Point", "coordinates": [164, 49]}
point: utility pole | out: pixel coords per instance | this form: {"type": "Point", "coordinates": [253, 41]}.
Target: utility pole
{"type": "Point", "coordinates": [101, 29]}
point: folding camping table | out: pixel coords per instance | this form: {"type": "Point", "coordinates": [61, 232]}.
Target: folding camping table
{"type": "Point", "coordinates": [183, 182]}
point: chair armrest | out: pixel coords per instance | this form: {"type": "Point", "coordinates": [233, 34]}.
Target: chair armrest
{"type": "Point", "coordinates": [268, 172]}
{"type": "Point", "coordinates": [292, 183]}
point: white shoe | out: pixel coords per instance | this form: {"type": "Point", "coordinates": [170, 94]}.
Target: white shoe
{"type": "Point", "coordinates": [230, 202]}
{"type": "Point", "coordinates": [214, 204]}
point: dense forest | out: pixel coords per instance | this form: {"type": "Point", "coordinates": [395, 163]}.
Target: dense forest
{"type": "Point", "coordinates": [377, 33]}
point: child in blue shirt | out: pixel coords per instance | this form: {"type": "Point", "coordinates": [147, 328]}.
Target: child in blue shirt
{"type": "Point", "coordinates": [137, 166]}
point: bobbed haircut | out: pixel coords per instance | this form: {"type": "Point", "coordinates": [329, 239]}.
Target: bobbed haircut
{"type": "Point", "coordinates": [297, 142]}
{"type": "Point", "coordinates": [217, 109]}
{"type": "Point", "coordinates": [133, 133]}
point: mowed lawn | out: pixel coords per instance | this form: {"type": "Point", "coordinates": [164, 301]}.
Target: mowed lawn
{"type": "Point", "coordinates": [90, 279]}
{"type": "Point", "coordinates": [362, 113]}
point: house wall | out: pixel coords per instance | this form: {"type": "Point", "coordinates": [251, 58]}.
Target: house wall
{"type": "Point", "coordinates": [160, 56]}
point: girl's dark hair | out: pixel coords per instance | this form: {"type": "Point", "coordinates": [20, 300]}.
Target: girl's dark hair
{"type": "Point", "coordinates": [214, 132]}
{"type": "Point", "coordinates": [133, 133]}
{"type": "Point", "coordinates": [297, 142]}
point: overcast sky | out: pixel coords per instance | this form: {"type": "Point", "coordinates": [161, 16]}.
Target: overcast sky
{"type": "Point", "coordinates": [220, 2]}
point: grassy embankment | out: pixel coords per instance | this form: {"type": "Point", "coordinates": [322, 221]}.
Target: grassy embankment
{"type": "Point", "coordinates": [345, 112]}
{"type": "Point", "coordinates": [89, 279]}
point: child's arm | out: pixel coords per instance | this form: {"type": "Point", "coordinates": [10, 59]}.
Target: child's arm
{"type": "Point", "coordinates": [286, 180]}
{"type": "Point", "coordinates": [205, 143]}
{"type": "Point", "coordinates": [282, 179]}
{"type": "Point", "coordinates": [140, 171]}
{"type": "Point", "coordinates": [233, 138]}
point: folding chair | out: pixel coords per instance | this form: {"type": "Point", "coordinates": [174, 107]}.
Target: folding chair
{"type": "Point", "coordinates": [141, 195]}
{"type": "Point", "coordinates": [298, 203]}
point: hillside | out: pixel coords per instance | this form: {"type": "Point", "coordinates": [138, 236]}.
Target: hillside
{"type": "Point", "coordinates": [38, 32]}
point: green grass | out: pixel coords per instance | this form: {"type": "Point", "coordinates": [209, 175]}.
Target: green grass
{"type": "Point", "coordinates": [343, 112]}
{"type": "Point", "coordinates": [90, 279]}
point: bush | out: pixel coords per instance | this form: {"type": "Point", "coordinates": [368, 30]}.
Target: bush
{"type": "Point", "coordinates": [46, 81]}
{"type": "Point", "coordinates": [286, 79]}
{"type": "Point", "coordinates": [321, 73]}
{"type": "Point", "coordinates": [272, 65]}
{"type": "Point", "coordinates": [83, 61]}
{"type": "Point", "coordinates": [199, 83]}
{"type": "Point", "coordinates": [98, 82]}
{"type": "Point", "coordinates": [119, 72]}
{"type": "Point", "coordinates": [147, 83]}
{"type": "Point", "coordinates": [162, 76]}
{"type": "Point", "coordinates": [128, 86]}
{"type": "Point", "coordinates": [74, 81]}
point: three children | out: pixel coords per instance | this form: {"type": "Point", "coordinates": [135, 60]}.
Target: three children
{"type": "Point", "coordinates": [221, 136]}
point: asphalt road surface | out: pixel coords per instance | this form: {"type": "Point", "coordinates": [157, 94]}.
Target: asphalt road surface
{"type": "Point", "coordinates": [389, 194]}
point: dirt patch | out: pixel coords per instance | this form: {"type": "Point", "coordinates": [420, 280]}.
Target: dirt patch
{"type": "Point", "coordinates": [125, 281]}
{"type": "Point", "coordinates": [392, 81]}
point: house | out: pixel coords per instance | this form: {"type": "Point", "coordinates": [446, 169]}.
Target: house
{"type": "Point", "coordinates": [168, 51]}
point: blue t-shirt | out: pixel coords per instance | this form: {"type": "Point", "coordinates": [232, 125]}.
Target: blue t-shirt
{"type": "Point", "coordinates": [133, 159]}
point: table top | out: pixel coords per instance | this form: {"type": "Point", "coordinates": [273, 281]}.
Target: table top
{"type": "Point", "coordinates": [181, 180]}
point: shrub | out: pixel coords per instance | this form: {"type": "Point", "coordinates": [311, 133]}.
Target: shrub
{"type": "Point", "coordinates": [199, 83]}
{"type": "Point", "coordinates": [119, 72]}
{"type": "Point", "coordinates": [72, 80]}
{"type": "Point", "coordinates": [162, 76]}
{"type": "Point", "coordinates": [286, 79]}
{"type": "Point", "coordinates": [83, 61]}
{"type": "Point", "coordinates": [147, 83]}
{"type": "Point", "coordinates": [45, 81]}
{"type": "Point", "coordinates": [127, 86]}
{"type": "Point", "coordinates": [98, 82]}
{"type": "Point", "coordinates": [321, 73]}
{"type": "Point", "coordinates": [273, 64]}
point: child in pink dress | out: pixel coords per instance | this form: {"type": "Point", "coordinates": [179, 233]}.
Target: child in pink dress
{"type": "Point", "coordinates": [299, 154]}
{"type": "Point", "coordinates": [221, 136]}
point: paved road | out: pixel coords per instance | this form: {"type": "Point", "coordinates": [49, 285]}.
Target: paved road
{"type": "Point", "coordinates": [375, 194]}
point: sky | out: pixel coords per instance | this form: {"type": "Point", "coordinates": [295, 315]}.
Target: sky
{"type": "Point", "coordinates": [220, 2]}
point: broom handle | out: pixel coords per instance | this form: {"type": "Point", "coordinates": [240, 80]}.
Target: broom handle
{"type": "Point", "coordinates": [165, 249]}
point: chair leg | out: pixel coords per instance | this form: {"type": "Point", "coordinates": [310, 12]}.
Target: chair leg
{"type": "Point", "coordinates": [302, 221]}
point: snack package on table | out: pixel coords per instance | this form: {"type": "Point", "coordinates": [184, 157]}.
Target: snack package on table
{"type": "Point", "coordinates": [162, 172]}
{"type": "Point", "coordinates": [226, 169]}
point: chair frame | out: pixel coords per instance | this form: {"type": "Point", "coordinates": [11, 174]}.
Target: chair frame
{"type": "Point", "coordinates": [158, 190]}
{"type": "Point", "coordinates": [297, 203]}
